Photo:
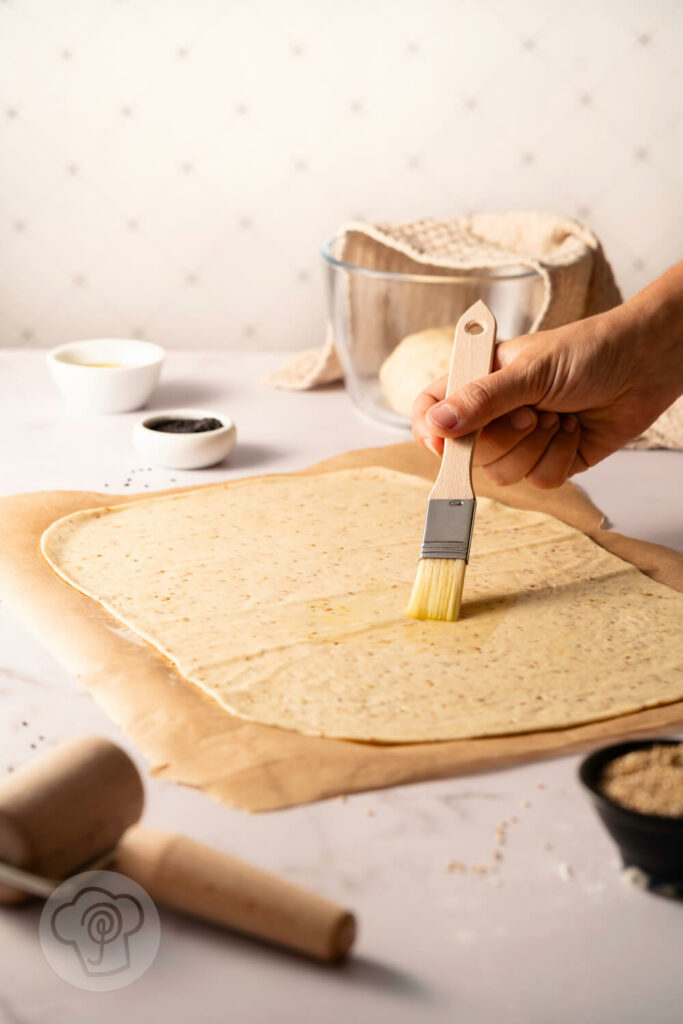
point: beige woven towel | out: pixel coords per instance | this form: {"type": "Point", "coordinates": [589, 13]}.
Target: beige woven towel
{"type": "Point", "coordinates": [576, 282]}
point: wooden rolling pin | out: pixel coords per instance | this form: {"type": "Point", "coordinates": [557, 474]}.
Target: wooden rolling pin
{"type": "Point", "coordinates": [78, 802]}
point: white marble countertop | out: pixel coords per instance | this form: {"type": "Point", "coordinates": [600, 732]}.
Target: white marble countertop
{"type": "Point", "coordinates": [560, 939]}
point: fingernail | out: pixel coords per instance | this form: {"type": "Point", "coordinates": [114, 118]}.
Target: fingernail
{"type": "Point", "coordinates": [569, 424]}
{"type": "Point", "coordinates": [429, 443]}
{"type": "Point", "coordinates": [547, 420]}
{"type": "Point", "coordinates": [444, 416]}
{"type": "Point", "coordinates": [522, 419]}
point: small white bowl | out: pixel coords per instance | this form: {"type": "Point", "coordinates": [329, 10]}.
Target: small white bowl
{"type": "Point", "coordinates": [106, 374]}
{"type": "Point", "coordinates": [184, 451]}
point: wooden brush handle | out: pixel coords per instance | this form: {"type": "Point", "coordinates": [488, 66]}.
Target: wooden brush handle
{"type": "Point", "coordinates": [473, 348]}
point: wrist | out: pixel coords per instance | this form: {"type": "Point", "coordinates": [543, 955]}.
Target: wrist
{"type": "Point", "coordinates": [657, 318]}
{"type": "Point", "coordinates": [650, 325]}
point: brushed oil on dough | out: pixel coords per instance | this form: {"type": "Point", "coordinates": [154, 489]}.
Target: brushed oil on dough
{"type": "Point", "coordinates": [283, 599]}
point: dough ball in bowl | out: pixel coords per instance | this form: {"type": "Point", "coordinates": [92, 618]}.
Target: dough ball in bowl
{"type": "Point", "coordinates": [417, 361]}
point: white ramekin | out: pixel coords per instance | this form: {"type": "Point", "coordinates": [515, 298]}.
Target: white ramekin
{"type": "Point", "coordinates": [184, 451]}
{"type": "Point", "coordinates": [120, 387]}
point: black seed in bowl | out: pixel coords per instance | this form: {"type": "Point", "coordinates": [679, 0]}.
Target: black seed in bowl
{"type": "Point", "coordinates": [186, 426]}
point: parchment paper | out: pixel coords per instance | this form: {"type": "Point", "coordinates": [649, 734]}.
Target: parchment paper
{"type": "Point", "coordinates": [189, 738]}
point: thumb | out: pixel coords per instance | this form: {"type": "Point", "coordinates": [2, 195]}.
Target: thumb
{"type": "Point", "coordinates": [477, 403]}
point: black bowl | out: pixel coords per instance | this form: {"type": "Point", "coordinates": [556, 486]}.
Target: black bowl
{"type": "Point", "coordinates": [650, 842]}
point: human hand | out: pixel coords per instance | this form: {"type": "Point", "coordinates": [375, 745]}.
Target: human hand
{"type": "Point", "coordinates": [560, 401]}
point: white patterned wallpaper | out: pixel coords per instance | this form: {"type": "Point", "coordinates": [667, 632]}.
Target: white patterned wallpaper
{"type": "Point", "coordinates": [169, 168]}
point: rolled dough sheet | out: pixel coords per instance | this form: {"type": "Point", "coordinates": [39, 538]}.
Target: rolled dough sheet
{"type": "Point", "coordinates": [283, 599]}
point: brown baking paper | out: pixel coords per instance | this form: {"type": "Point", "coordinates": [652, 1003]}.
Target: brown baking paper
{"type": "Point", "coordinates": [189, 738]}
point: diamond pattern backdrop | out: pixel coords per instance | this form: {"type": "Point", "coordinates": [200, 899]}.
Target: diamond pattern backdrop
{"type": "Point", "coordinates": [170, 168]}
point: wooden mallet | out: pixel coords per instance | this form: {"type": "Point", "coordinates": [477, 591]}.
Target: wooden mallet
{"type": "Point", "coordinates": [76, 807]}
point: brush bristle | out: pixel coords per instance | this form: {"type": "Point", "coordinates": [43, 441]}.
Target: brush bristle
{"type": "Point", "coordinates": [437, 590]}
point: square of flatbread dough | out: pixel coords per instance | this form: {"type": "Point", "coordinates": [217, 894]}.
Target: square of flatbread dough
{"type": "Point", "coordinates": [283, 598]}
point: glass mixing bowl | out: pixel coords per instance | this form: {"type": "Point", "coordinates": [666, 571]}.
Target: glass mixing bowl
{"type": "Point", "coordinates": [371, 311]}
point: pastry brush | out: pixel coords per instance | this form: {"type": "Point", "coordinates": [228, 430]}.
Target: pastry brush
{"type": "Point", "coordinates": [437, 590]}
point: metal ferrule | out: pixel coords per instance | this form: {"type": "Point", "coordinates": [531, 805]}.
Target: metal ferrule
{"type": "Point", "coordinates": [448, 528]}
